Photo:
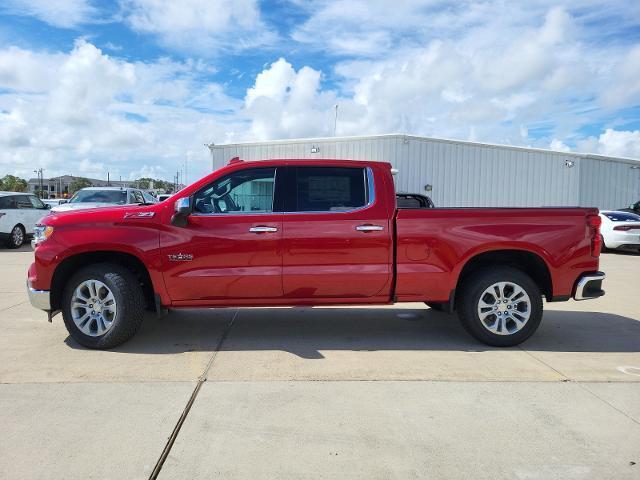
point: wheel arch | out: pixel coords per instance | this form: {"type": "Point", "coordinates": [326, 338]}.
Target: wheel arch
{"type": "Point", "coordinates": [73, 263]}
{"type": "Point", "coordinates": [524, 260]}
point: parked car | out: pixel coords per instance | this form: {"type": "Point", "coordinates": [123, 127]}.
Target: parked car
{"type": "Point", "coordinates": [317, 233]}
{"type": "Point", "coordinates": [54, 202]}
{"type": "Point", "coordinates": [413, 200]}
{"type": "Point", "coordinates": [620, 230]}
{"type": "Point", "coordinates": [97, 197]}
{"type": "Point", "coordinates": [163, 196]}
{"type": "Point", "coordinates": [19, 213]}
{"type": "Point", "coordinates": [633, 208]}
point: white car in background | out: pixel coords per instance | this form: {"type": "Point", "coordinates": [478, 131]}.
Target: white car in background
{"type": "Point", "coordinates": [620, 230]}
{"type": "Point", "coordinates": [19, 213]}
{"type": "Point", "coordinates": [54, 202]}
{"type": "Point", "coordinates": [96, 197]}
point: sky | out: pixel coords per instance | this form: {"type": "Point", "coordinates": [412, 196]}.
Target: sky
{"type": "Point", "coordinates": [138, 87]}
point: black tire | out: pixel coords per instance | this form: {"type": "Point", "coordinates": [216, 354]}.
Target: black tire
{"type": "Point", "coordinates": [129, 299]}
{"type": "Point", "coordinates": [436, 306]}
{"type": "Point", "coordinates": [17, 237]}
{"type": "Point", "coordinates": [469, 298]}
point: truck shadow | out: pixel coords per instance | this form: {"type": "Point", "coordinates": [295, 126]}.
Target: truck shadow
{"type": "Point", "coordinates": [306, 332]}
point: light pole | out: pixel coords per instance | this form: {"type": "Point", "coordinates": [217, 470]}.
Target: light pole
{"type": "Point", "coordinates": [40, 180]}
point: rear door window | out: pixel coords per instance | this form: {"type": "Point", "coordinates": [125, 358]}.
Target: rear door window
{"type": "Point", "coordinates": [8, 202]}
{"type": "Point", "coordinates": [330, 189]}
{"type": "Point", "coordinates": [23, 202]}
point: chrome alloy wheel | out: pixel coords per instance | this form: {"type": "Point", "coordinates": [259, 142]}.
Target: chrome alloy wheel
{"type": "Point", "coordinates": [504, 308]}
{"type": "Point", "coordinates": [17, 236]}
{"type": "Point", "coordinates": [93, 308]}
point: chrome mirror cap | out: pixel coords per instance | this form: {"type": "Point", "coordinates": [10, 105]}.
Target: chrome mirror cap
{"type": "Point", "coordinates": [181, 204]}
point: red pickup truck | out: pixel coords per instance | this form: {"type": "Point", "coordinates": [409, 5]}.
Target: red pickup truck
{"type": "Point", "coordinates": [302, 232]}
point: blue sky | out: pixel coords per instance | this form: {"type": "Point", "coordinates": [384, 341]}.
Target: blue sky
{"type": "Point", "coordinates": [136, 87]}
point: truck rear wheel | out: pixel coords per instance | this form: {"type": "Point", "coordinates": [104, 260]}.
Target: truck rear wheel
{"type": "Point", "coordinates": [102, 306]}
{"type": "Point", "coordinates": [501, 307]}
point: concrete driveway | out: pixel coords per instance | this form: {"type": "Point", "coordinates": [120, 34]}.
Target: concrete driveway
{"type": "Point", "coordinates": [323, 393]}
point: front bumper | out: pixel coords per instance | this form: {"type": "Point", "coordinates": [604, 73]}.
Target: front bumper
{"type": "Point", "coordinates": [589, 285]}
{"type": "Point", "coordinates": [39, 298]}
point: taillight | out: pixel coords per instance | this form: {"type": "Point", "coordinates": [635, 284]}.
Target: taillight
{"type": "Point", "coordinates": [594, 222]}
{"type": "Point", "coordinates": [626, 228]}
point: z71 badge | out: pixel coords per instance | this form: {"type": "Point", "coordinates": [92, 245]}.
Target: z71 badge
{"type": "Point", "coordinates": [180, 257]}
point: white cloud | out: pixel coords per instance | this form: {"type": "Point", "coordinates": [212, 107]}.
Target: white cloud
{"type": "Point", "coordinates": [455, 70]}
{"type": "Point", "coordinates": [59, 13]}
{"type": "Point", "coordinates": [199, 26]}
{"type": "Point", "coordinates": [94, 112]}
{"type": "Point", "coordinates": [619, 143]}
{"type": "Point", "coordinates": [625, 86]}
{"type": "Point", "coordinates": [559, 146]}
{"type": "Point", "coordinates": [286, 103]}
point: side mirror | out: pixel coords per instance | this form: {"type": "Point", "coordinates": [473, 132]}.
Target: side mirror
{"type": "Point", "coordinates": [182, 210]}
{"type": "Point", "coordinates": [47, 206]}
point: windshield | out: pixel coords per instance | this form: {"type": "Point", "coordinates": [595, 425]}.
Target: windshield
{"type": "Point", "coordinates": [100, 196]}
{"type": "Point", "coordinates": [622, 217]}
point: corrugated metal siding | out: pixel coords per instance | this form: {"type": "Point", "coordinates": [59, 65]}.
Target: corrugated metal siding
{"type": "Point", "coordinates": [464, 174]}
{"type": "Point", "coordinates": [608, 185]}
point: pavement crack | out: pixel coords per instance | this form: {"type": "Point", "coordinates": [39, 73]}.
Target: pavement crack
{"type": "Point", "coordinates": [584, 387]}
{"type": "Point", "coordinates": [564, 377]}
{"type": "Point", "coordinates": [185, 412]}
{"type": "Point", "coordinates": [11, 306]}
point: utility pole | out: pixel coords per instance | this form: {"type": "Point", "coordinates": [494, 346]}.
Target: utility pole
{"type": "Point", "coordinates": [40, 181]}
{"type": "Point", "coordinates": [335, 120]}
{"type": "Point", "coordinates": [108, 180]}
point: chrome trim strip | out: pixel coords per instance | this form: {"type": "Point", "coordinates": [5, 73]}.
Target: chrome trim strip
{"type": "Point", "coordinates": [582, 283]}
{"type": "Point", "coordinates": [39, 298]}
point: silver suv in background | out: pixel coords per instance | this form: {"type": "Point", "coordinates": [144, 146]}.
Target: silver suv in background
{"type": "Point", "coordinates": [96, 197]}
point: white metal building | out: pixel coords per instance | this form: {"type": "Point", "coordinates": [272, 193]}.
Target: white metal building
{"type": "Point", "coordinates": [461, 174]}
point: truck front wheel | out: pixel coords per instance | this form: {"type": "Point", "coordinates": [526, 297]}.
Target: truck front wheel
{"type": "Point", "coordinates": [102, 305]}
{"type": "Point", "coordinates": [501, 307]}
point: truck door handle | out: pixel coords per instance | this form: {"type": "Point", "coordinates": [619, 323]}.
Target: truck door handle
{"type": "Point", "coordinates": [263, 229]}
{"type": "Point", "coordinates": [369, 228]}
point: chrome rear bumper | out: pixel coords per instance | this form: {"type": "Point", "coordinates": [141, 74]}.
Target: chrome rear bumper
{"type": "Point", "coordinates": [589, 286]}
{"type": "Point", "coordinates": [39, 298]}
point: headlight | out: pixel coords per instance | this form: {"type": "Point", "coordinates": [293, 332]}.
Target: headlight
{"type": "Point", "coordinates": [41, 233]}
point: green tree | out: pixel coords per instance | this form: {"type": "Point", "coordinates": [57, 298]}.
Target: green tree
{"type": "Point", "coordinates": [79, 183]}
{"type": "Point", "coordinates": [11, 183]}
{"type": "Point", "coordinates": [145, 183]}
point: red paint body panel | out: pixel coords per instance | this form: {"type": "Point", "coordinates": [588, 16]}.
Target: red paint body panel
{"type": "Point", "coordinates": [229, 262]}
{"type": "Point", "coordinates": [317, 258]}
{"type": "Point", "coordinates": [435, 244]}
